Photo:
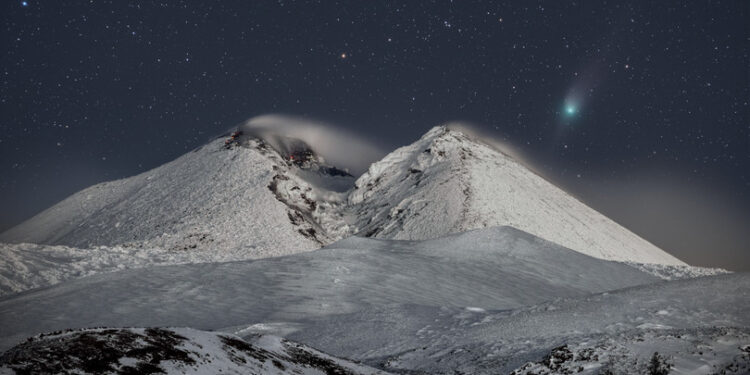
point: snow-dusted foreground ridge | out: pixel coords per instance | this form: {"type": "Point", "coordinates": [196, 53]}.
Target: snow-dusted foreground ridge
{"type": "Point", "coordinates": [169, 351]}
{"type": "Point", "coordinates": [650, 351]}
{"type": "Point", "coordinates": [260, 195]}
{"type": "Point", "coordinates": [487, 301]}
{"type": "Point", "coordinates": [496, 268]}
{"type": "Point", "coordinates": [696, 324]}
{"type": "Point", "coordinates": [28, 266]}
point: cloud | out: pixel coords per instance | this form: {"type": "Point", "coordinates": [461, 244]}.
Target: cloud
{"type": "Point", "coordinates": [337, 146]}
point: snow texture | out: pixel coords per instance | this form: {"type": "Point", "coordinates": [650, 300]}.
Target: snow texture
{"type": "Point", "coordinates": [27, 266]}
{"type": "Point", "coordinates": [677, 272]}
{"type": "Point", "coordinates": [651, 351]}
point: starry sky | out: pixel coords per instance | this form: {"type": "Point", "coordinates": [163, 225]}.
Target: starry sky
{"type": "Point", "coordinates": [638, 108]}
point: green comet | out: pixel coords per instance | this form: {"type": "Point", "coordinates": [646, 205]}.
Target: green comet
{"type": "Point", "coordinates": [570, 109]}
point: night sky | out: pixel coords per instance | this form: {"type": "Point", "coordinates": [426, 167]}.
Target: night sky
{"type": "Point", "coordinates": [639, 108]}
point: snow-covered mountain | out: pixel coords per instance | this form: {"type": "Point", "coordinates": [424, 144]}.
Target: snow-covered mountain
{"type": "Point", "coordinates": [237, 197]}
{"type": "Point", "coordinates": [259, 194]}
{"type": "Point", "coordinates": [447, 256]}
{"type": "Point", "coordinates": [449, 182]}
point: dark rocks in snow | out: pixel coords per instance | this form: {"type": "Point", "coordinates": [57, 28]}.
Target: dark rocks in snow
{"type": "Point", "coordinates": [299, 205]}
{"type": "Point", "coordinates": [98, 351]}
{"type": "Point", "coordinates": [192, 241]}
{"type": "Point", "coordinates": [634, 353]}
{"type": "Point", "coordinates": [308, 232]}
{"type": "Point", "coordinates": [234, 139]}
{"type": "Point", "coordinates": [300, 355]}
{"type": "Point", "coordinates": [232, 345]}
{"type": "Point", "coordinates": [311, 204]}
{"type": "Point", "coordinates": [333, 171]}
{"type": "Point", "coordinates": [658, 365]}
{"type": "Point", "coordinates": [295, 217]}
{"type": "Point", "coordinates": [166, 351]}
{"type": "Point", "coordinates": [557, 357]}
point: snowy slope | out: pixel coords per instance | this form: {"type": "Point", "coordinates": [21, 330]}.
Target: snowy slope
{"type": "Point", "coordinates": [495, 268]}
{"type": "Point", "coordinates": [448, 182]}
{"type": "Point", "coordinates": [472, 302]}
{"type": "Point", "coordinates": [646, 351]}
{"type": "Point", "coordinates": [244, 200]}
{"type": "Point", "coordinates": [699, 322]}
{"type": "Point", "coordinates": [169, 351]}
{"type": "Point", "coordinates": [27, 266]}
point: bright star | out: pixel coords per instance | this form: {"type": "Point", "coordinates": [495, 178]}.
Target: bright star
{"type": "Point", "coordinates": [24, 3]}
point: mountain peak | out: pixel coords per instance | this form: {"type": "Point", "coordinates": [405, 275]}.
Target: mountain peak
{"type": "Point", "coordinates": [436, 131]}
{"type": "Point", "coordinates": [240, 196]}
{"type": "Point", "coordinates": [289, 148]}
{"type": "Point", "coordinates": [456, 132]}
{"type": "Point", "coordinates": [337, 146]}
{"type": "Point", "coordinates": [452, 180]}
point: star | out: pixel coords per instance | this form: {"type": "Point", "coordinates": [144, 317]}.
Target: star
{"type": "Point", "coordinates": [24, 3]}
{"type": "Point", "coordinates": [343, 55]}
